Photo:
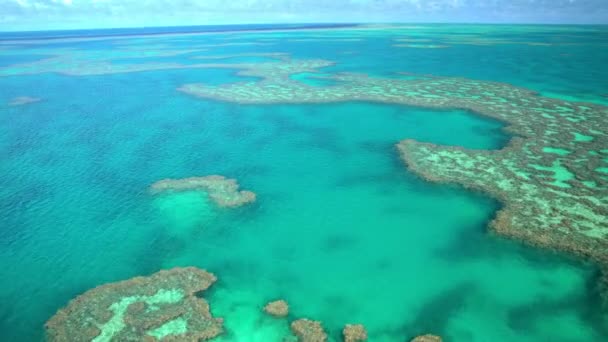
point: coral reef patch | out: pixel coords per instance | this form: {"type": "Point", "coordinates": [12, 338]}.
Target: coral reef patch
{"type": "Point", "coordinates": [221, 190]}
{"type": "Point", "coordinates": [427, 338]}
{"type": "Point", "coordinates": [308, 331]}
{"type": "Point", "coordinates": [162, 306]}
{"type": "Point", "coordinates": [277, 308]}
{"type": "Point", "coordinates": [354, 333]}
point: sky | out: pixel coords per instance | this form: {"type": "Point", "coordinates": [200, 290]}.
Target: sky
{"type": "Point", "coordinates": [23, 15]}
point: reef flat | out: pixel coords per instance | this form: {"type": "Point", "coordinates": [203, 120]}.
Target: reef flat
{"type": "Point", "coordinates": [552, 178]}
{"type": "Point", "coordinates": [163, 306]}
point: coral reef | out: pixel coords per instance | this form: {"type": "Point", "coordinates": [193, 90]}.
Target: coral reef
{"type": "Point", "coordinates": [354, 333]}
{"type": "Point", "coordinates": [162, 306]}
{"type": "Point", "coordinates": [308, 331]}
{"type": "Point", "coordinates": [221, 190]}
{"type": "Point", "coordinates": [23, 100]}
{"type": "Point", "coordinates": [277, 308]}
{"type": "Point", "coordinates": [552, 177]}
{"type": "Point", "coordinates": [427, 338]}
{"type": "Point", "coordinates": [277, 85]}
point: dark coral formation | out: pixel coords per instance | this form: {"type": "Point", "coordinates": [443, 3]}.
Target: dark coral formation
{"type": "Point", "coordinates": [277, 308]}
{"type": "Point", "coordinates": [354, 333]}
{"type": "Point", "coordinates": [23, 100]}
{"type": "Point", "coordinates": [308, 331]}
{"type": "Point", "coordinates": [427, 338]}
{"type": "Point", "coordinates": [223, 191]}
{"type": "Point", "coordinates": [552, 177]}
{"type": "Point", "coordinates": [162, 306]}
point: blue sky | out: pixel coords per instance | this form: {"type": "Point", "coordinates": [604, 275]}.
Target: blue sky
{"type": "Point", "coordinates": [74, 14]}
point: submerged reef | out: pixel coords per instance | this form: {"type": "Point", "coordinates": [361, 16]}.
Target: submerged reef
{"type": "Point", "coordinates": [308, 331]}
{"type": "Point", "coordinates": [271, 55]}
{"type": "Point", "coordinates": [277, 308]}
{"type": "Point", "coordinates": [163, 306]}
{"type": "Point", "coordinates": [221, 190]}
{"type": "Point", "coordinates": [427, 338]}
{"type": "Point", "coordinates": [354, 333]}
{"type": "Point", "coordinates": [23, 100]}
{"type": "Point", "coordinates": [421, 46]}
{"type": "Point", "coordinates": [73, 62]}
{"type": "Point", "coordinates": [552, 177]}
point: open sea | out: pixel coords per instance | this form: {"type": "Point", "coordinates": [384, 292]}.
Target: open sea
{"type": "Point", "coordinates": [340, 228]}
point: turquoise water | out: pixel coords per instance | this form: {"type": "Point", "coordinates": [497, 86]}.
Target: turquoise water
{"type": "Point", "coordinates": [341, 229]}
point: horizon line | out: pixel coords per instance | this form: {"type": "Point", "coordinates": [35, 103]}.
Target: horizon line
{"type": "Point", "coordinates": [320, 24]}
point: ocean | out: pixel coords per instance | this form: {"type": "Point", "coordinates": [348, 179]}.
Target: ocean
{"type": "Point", "coordinates": [342, 227]}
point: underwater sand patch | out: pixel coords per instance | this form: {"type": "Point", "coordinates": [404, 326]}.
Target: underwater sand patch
{"type": "Point", "coordinates": [23, 100]}
{"type": "Point", "coordinates": [162, 306]}
{"type": "Point", "coordinates": [557, 201]}
{"type": "Point", "coordinates": [221, 190]}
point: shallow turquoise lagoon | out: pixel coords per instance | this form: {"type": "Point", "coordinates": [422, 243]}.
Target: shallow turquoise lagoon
{"type": "Point", "coordinates": [341, 229]}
